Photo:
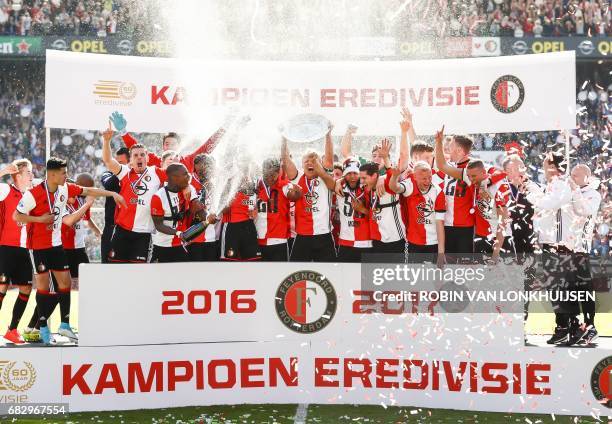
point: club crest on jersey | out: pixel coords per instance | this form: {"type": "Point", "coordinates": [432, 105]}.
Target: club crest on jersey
{"type": "Point", "coordinates": [306, 302]}
{"type": "Point", "coordinates": [507, 94]}
{"type": "Point", "coordinates": [311, 198]}
{"type": "Point", "coordinates": [601, 381]}
{"type": "Point", "coordinates": [485, 208]}
{"type": "Point", "coordinates": [424, 210]}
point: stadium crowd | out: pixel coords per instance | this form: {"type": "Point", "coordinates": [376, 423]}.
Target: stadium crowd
{"type": "Point", "coordinates": [517, 18]}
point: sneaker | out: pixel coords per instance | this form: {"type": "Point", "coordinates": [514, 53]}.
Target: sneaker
{"type": "Point", "coordinates": [560, 336]}
{"type": "Point", "coordinates": [590, 336]}
{"type": "Point", "coordinates": [13, 336]}
{"type": "Point", "coordinates": [31, 335]}
{"type": "Point", "coordinates": [66, 331]}
{"type": "Point", "coordinates": [46, 336]}
{"type": "Point", "coordinates": [576, 334]}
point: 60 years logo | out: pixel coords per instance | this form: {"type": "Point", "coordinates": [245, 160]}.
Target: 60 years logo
{"type": "Point", "coordinates": [16, 376]}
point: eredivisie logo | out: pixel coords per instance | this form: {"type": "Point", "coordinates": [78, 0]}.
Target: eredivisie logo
{"type": "Point", "coordinates": [601, 381]}
{"type": "Point", "coordinates": [507, 94]}
{"type": "Point", "coordinates": [17, 376]}
{"type": "Point", "coordinates": [306, 301]}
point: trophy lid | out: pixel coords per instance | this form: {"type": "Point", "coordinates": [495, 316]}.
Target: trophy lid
{"type": "Point", "coordinates": [305, 128]}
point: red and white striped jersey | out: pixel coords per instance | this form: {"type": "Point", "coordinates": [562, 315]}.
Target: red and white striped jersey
{"type": "Point", "coordinates": [74, 237]}
{"type": "Point", "coordinates": [313, 209]}
{"type": "Point", "coordinates": [39, 201]}
{"type": "Point", "coordinates": [386, 222]}
{"type": "Point", "coordinates": [272, 222]}
{"type": "Point", "coordinates": [487, 218]}
{"type": "Point", "coordinates": [137, 190]}
{"type": "Point", "coordinates": [354, 226]}
{"type": "Point", "coordinates": [292, 231]}
{"type": "Point", "coordinates": [459, 200]}
{"type": "Point", "coordinates": [211, 234]}
{"type": "Point", "coordinates": [160, 206]}
{"type": "Point", "coordinates": [12, 233]}
{"type": "Point", "coordinates": [238, 209]}
{"type": "Point", "coordinates": [424, 209]}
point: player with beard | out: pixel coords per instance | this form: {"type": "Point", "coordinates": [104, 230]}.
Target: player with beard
{"type": "Point", "coordinates": [492, 219]}
{"type": "Point", "coordinates": [274, 196]}
{"type": "Point", "coordinates": [15, 264]}
{"type": "Point", "coordinates": [170, 141]}
{"type": "Point", "coordinates": [204, 247]}
{"type": "Point", "coordinates": [354, 238]}
{"type": "Point", "coordinates": [110, 182]}
{"type": "Point", "coordinates": [425, 206]}
{"type": "Point", "coordinates": [169, 207]}
{"type": "Point", "coordinates": [74, 231]}
{"type": "Point", "coordinates": [133, 225]}
{"type": "Point", "coordinates": [42, 209]}
{"type": "Point", "coordinates": [314, 241]}
{"type": "Point", "coordinates": [460, 210]}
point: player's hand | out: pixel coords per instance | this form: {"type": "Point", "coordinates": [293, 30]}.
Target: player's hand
{"type": "Point", "coordinates": [395, 172]}
{"type": "Point", "coordinates": [89, 200]}
{"type": "Point", "coordinates": [351, 129]}
{"type": "Point", "coordinates": [253, 213]}
{"type": "Point", "coordinates": [380, 186]}
{"type": "Point", "coordinates": [46, 218]}
{"type": "Point", "coordinates": [108, 133]}
{"type": "Point", "coordinates": [406, 122]}
{"type": "Point", "coordinates": [441, 260]}
{"type": "Point", "coordinates": [212, 218]}
{"type": "Point", "coordinates": [9, 169]}
{"type": "Point", "coordinates": [294, 193]}
{"type": "Point", "coordinates": [440, 135]}
{"type": "Point", "coordinates": [330, 127]}
{"type": "Point", "coordinates": [118, 121]}
{"type": "Point", "coordinates": [119, 200]}
{"type": "Point", "coordinates": [385, 148]}
{"type": "Point", "coordinates": [359, 206]}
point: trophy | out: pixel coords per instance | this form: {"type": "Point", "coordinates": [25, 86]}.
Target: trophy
{"type": "Point", "coordinates": [305, 128]}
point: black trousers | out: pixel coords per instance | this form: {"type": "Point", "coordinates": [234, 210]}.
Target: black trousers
{"type": "Point", "coordinates": [105, 242]}
{"type": "Point", "coordinates": [560, 273]}
{"type": "Point", "coordinates": [319, 248]}
{"type": "Point", "coordinates": [275, 253]}
{"type": "Point", "coordinates": [350, 254]}
{"type": "Point", "coordinates": [459, 243]}
{"type": "Point", "coordinates": [203, 252]}
{"type": "Point", "coordinates": [418, 254]}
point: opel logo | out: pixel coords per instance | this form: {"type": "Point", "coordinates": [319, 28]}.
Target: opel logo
{"type": "Point", "coordinates": [59, 44]}
{"type": "Point", "coordinates": [519, 47]}
{"type": "Point", "coordinates": [586, 47]}
{"type": "Point", "coordinates": [125, 47]}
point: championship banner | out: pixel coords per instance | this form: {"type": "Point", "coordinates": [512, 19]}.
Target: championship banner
{"type": "Point", "coordinates": [483, 95]}
{"type": "Point", "coordinates": [219, 302]}
{"type": "Point", "coordinates": [545, 381]}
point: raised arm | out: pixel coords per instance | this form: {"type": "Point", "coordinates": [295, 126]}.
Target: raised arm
{"type": "Point", "coordinates": [393, 181]}
{"type": "Point", "coordinates": [328, 161]}
{"type": "Point", "coordinates": [329, 181]}
{"type": "Point", "coordinates": [287, 163]}
{"type": "Point", "coordinates": [98, 192]}
{"type": "Point", "coordinates": [406, 140]}
{"type": "Point", "coordinates": [441, 163]}
{"type": "Point", "coordinates": [107, 156]}
{"type": "Point", "coordinates": [120, 124]}
{"type": "Point", "coordinates": [347, 141]}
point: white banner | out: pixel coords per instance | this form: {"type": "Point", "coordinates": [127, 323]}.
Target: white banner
{"type": "Point", "coordinates": [482, 95]}
{"type": "Point", "coordinates": [532, 380]}
{"type": "Point", "coordinates": [222, 302]}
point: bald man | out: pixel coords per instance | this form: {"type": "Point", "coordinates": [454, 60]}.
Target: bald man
{"type": "Point", "coordinates": [585, 204]}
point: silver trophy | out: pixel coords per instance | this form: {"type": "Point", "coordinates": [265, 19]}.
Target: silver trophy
{"type": "Point", "coordinates": [305, 128]}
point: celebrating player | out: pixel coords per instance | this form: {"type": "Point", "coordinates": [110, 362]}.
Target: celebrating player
{"type": "Point", "coordinates": [42, 208]}
{"type": "Point", "coordinates": [15, 264]}
{"type": "Point", "coordinates": [133, 224]}
{"type": "Point", "coordinates": [273, 202]}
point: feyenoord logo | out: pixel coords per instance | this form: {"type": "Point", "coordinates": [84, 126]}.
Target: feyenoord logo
{"type": "Point", "coordinates": [306, 302]}
{"type": "Point", "coordinates": [507, 94]}
{"type": "Point", "coordinates": [601, 381]}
